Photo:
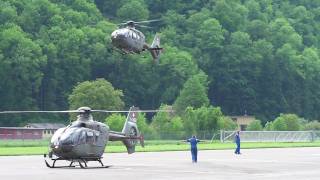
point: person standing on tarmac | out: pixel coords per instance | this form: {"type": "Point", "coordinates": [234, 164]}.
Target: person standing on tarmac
{"type": "Point", "coordinates": [237, 141]}
{"type": "Point", "coordinates": [194, 150]}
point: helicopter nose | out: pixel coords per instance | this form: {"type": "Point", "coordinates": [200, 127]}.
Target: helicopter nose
{"type": "Point", "coordinates": [118, 40]}
{"type": "Point", "coordinates": [62, 147]}
{"type": "Point", "coordinates": [113, 36]}
{"type": "Point", "coordinates": [117, 37]}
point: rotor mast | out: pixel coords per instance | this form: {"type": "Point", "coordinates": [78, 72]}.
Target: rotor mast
{"type": "Point", "coordinates": [84, 114]}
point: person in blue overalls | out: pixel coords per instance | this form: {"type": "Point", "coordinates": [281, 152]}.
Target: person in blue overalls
{"type": "Point", "coordinates": [237, 141]}
{"type": "Point", "coordinates": [194, 150]}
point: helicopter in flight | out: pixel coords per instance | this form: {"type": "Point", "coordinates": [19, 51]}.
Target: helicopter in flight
{"type": "Point", "coordinates": [85, 139]}
{"type": "Point", "coordinates": [130, 40]}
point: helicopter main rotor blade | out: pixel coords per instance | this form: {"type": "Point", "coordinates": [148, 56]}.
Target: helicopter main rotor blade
{"type": "Point", "coordinates": [82, 111]}
{"type": "Point", "coordinates": [16, 112]}
{"type": "Point", "coordinates": [146, 111]}
{"type": "Point", "coordinates": [138, 25]}
{"type": "Point", "coordinates": [138, 22]}
{"type": "Point", "coordinates": [122, 24]}
{"type": "Point", "coordinates": [148, 21]}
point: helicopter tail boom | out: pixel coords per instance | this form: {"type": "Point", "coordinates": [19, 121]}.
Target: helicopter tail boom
{"type": "Point", "coordinates": [155, 48]}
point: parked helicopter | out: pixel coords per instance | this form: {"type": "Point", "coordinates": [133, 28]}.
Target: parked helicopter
{"type": "Point", "coordinates": [130, 40]}
{"type": "Point", "coordinates": [85, 139]}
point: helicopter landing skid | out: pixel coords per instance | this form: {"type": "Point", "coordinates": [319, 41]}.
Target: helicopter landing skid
{"type": "Point", "coordinates": [82, 163]}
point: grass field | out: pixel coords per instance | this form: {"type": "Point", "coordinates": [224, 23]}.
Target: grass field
{"type": "Point", "coordinates": [24, 143]}
{"type": "Point", "coordinates": [14, 148]}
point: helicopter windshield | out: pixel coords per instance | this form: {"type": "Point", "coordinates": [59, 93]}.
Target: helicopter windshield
{"type": "Point", "coordinates": [69, 137]}
{"type": "Point", "coordinates": [121, 32]}
{"type": "Point", "coordinates": [66, 136]}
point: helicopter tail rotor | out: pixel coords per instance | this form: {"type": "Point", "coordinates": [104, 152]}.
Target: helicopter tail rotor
{"type": "Point", "coordinates": [155, 48]}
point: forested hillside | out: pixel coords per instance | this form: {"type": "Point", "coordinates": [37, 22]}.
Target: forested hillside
{"type": "Point", "coordinates": [259, 57]}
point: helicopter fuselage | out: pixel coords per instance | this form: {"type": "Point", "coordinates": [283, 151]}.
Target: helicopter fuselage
{"type": "Point", "coordinates": [129, 40]}
{"type": "Point", "coordinates": [80, 140]}
{"type": "Point", "coordinates": [85, 139]}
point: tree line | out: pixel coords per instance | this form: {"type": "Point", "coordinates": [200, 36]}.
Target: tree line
{"type": "Point", "coordinates": [206, 121]}
{"type": "Point", "coordinates": [223, 57]}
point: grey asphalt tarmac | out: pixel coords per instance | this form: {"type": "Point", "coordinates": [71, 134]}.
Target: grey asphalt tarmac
{"type": "Point", "coordinates": [282, 163]}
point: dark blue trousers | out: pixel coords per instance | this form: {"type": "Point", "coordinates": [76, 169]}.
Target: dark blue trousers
{"type": "Point", "coordinates": [194, 154]}
{"type": "Point", "coordinates": [238, 148]}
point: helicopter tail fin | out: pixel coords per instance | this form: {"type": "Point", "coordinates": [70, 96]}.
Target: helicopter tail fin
{"type": "Point", "coordinates": [130, 129]}
{"type": "Point", "coordinates": [155, 48]}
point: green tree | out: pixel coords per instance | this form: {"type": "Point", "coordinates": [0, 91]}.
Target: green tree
{"type": "Point", "coordinates": [203, 119]}
{"type": "Point", "coordinates": [231, 14]}
{"type": "Point", "coordinates": [260, 56]}
{"type": "Point", "coordinates": [255, 126]}
{"type": "Point", "coordinates": [293, 122]}
{"type": "Point", "coordinates": [254, 10]}
{"type": "Point", "coordinates": [109, 7]}
{"type": "Point", "coordinates": [98, 94]}
{"type": "Point", "coordinates": [226, 123]}
{"type": "Point", "coordinates": [313, 125]}
{"type": "Point", "coordinates": [210, 34]}
{"type": "Point", "coordinates": [115, 122]}
{"type": "Point", "coordinates": [283, 33]}
{"type": "Point", "coordinates": [175, 68]}
{"type": "Point", "coordinates": [286, 122]}
{"type": "Point", "coordinates": [37, 14]}
{"type": "Point", "coordinates": [268, 126]}
{"type": "Point", "coordinates": [308, 68]}
{"type": "Point", "coordinates": [194, 93]}
{"type": "Point", "coordinates": [258, 29]}
{"type": "Point", "coordinates": [167, 126]}
{"type": "Point", "coordinates": [279, 124]}
{"type": "Point", "coordinates": [21, 62]}
{"type": "Point", "coordinates": [133, 10]}
{"type": "Point", "coordinates": [144, 128]}
{"type": "Point", "coordinates": [8, 13]}
{"type": "Point", "coordinates": [235, 79]}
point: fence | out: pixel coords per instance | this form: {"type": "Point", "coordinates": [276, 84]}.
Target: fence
{"type": "Point", "coordinates": [181, 135]}
{"type": "Point", "coordinates": [271, 136]}
{"type": "Point", "coordinates": [23, 140]}
{"type": "Point", "coordinates": [223, 136]}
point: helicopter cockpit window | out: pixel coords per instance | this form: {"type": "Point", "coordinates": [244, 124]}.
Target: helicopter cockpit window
{"type": "Point", "coordinates": [97, 134]}
{"type": "Point", "coordinates": [90, 137]}
{"type": "Point", "coordinates": [82, 138]}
